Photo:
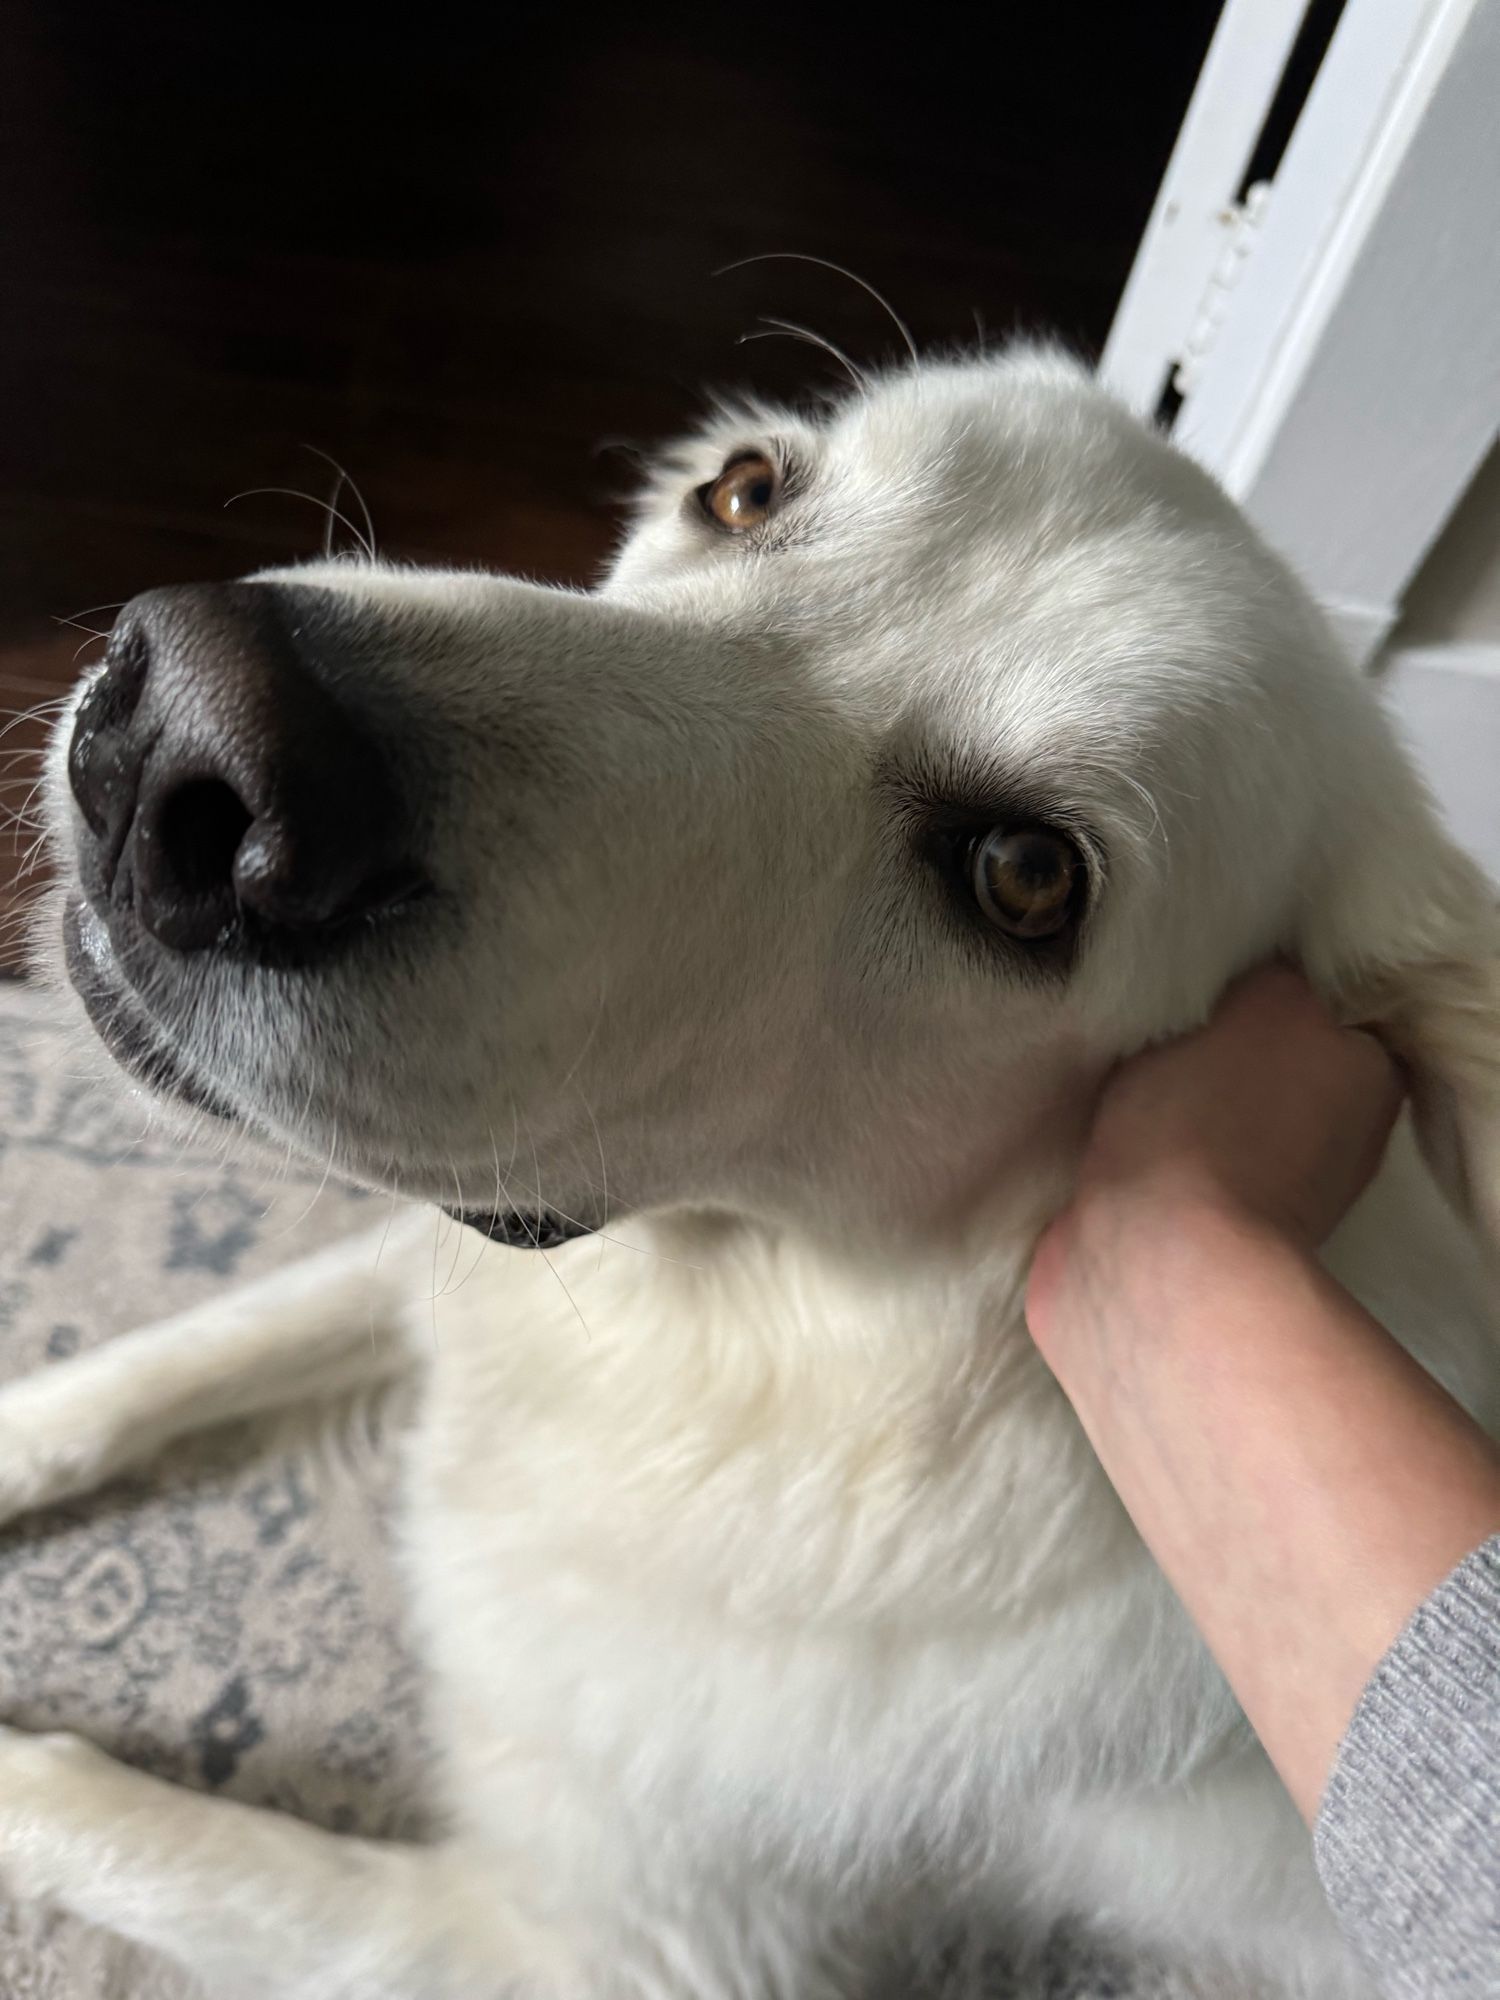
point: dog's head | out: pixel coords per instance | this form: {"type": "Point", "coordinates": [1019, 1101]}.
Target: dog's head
{"type": "Point", "coordinates": [914, 762]}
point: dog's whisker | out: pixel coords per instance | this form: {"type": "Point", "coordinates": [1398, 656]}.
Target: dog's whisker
{"type": "Point", "coordinates": [346, 478]}
{"type": "Point", "coordinates": [293, 493]}
{"type": "Point", "coordinates": [603, 1173]}
{"type": "Point", "coordinates": [385, 1237]}
{"type": "Point", "coordinates": [458, 1207]}
{"type": "Point", "coordinates": [638, 1249]}
{"type": "Point", "coordinates": [33, 779]}
{"type": "Point", "coordinates": [776, 327]}
{"type": "Point", "coordinates": [32, 857]}
{"type": "Point", "coordinates": [291, 1140]}
{"type": "Point", "coordinates": [89, 610]}
{"type": "Point", "coordinates": [43, 711]}
{"type": "Point", "coordinates": [333, 1146]}
{"type": "Point", "coordinates": [567, 1294]}
{"type": "Point", "coordinates": [79, 626]}
{"type": "Point", "coordinates": [482, 1245]}
{"type": "Point", "coordinates": [438, 1219]}
{"type": "Point", "coordinates": [22, 822]}
{"type": "Point", "coordinates": [588, 1040]}
{"type": "Point", "coordinates": [333, 501]}
{"type": "Point", "coordinates": [843, 271]}
{"type": "Point", "coordinates": [515, 1140]}
{"type": "Point", "coordinates": [536, 1172]}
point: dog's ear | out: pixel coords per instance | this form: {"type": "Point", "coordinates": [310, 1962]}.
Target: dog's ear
{"type": "Point", "coordinates": [1402, 931]}
{"type": "Point", "coordinates": [1446, 1027]}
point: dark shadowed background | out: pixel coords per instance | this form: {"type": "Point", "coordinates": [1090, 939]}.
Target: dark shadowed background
{"type": "Point", "coordinates": [471, 256]}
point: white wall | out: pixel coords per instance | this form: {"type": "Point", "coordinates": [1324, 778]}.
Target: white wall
{"type": "Point", "coordinates": [1455, 597]}
{"type": "Point", "coordinates": [1441, 673]}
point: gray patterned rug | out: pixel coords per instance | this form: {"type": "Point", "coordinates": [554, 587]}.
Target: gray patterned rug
{"type": "Point", "coordinates": [227, 1619]}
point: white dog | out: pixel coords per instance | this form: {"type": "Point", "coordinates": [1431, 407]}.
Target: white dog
{"type": "Point", "coordinates": [774, 911]}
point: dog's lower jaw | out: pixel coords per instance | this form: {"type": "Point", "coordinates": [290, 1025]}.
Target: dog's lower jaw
{"type": "Point", "coordinates": [536, 1229]}
{"type": "Point", "coordinates": [120, 1021]}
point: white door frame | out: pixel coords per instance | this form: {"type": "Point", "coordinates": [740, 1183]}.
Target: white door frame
{"type": "Point", "coordinates": [1335, 337]}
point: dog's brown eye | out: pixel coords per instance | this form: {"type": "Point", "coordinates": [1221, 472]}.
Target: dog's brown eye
{"type": "Point", "coordinates": [1027, 880]}
{"type": "Point", "coordinates": [743, 494]}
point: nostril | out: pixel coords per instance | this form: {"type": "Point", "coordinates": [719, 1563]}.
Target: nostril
{"type": "Point", "coordinates": [117, 688]}
{"type": "Point", "coordinates": [199, 829]}
{"type": "Point", "coordinates": [103, 764]}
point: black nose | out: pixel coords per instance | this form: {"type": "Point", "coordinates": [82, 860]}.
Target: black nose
{"type": "Point", "coordinates": [229, 798]}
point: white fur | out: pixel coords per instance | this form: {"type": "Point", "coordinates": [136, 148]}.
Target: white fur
{"type": "Point", "coordinates": [774, 1605]}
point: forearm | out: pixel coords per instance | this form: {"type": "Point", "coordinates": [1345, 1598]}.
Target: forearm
{"type": "Point", "coordinates": [1301, 1481]}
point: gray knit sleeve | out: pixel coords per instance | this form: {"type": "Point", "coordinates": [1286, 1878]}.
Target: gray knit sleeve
{"type": "Point", "coordinates": [1408, 1836]}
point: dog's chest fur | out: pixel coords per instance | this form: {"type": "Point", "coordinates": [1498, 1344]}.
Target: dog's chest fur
{"type": "Point", "coordinates": [836, 1605]}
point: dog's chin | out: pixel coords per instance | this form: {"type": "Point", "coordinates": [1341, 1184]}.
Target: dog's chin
{"type": "Point", "coordinates": [120, 1020]}
{"type": "Point", "coordinates": [535, 1229]}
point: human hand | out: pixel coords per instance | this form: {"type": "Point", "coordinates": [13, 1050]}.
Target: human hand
{"type": "Point", "coordinates": [1271, 1115]}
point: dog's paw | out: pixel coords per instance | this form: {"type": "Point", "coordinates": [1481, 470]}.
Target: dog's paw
{"type": "Point", "coordinates": [46, 1780]}
{"type": "Point", "coordinates": [50, 1449]}
{"type": "Point", "coordinates": [38, 1757]}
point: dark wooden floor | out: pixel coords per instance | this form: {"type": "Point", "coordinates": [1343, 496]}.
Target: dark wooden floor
{"type": "Point", "coordinates": [468, 253]}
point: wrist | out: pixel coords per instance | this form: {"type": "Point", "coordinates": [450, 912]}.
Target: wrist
{"type": "Point", "coordinates": [1184, 1197]}
{"type": "Point", "coordinates": [1139, 1248]}
{"type": "Point", "coordinates": [1298, 1477]}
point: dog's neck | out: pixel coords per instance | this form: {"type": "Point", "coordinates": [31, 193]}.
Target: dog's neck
{"type": "Point", "coordinates": [784, 1422]}
{"type": "Point", "coordinates": [928, 1301]}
